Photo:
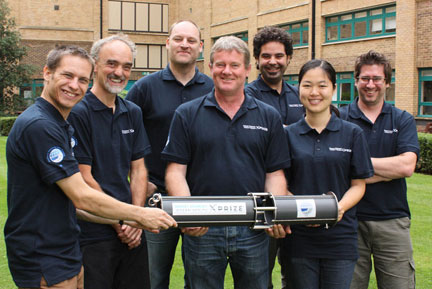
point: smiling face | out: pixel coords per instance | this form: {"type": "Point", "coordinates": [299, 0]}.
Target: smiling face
{"type": "Point", "coordinates": [316, 91]}
{"type": "Point", "coordinates": [67, 84]}
{"type": "Point", "coordinates": [229, 72]}
{"type": "Point", "coordinates": [273, 62]}
{"type": "Point", "coordinates": [113, 67]}
{"type": "Point", "coordinates": [371, 93]}
{"type": "Point", "coordinates": [183, 44]}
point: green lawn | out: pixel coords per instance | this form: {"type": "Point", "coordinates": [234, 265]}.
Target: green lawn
{"type": "Point", "coordinates": [420, 199]}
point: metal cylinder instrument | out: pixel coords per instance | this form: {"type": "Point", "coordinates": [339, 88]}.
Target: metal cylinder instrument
{"type": "Point", "coordinates": [256, 210]}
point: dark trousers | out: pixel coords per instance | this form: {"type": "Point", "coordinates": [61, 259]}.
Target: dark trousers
{"type": "Point", "coordinates": [111, 265]}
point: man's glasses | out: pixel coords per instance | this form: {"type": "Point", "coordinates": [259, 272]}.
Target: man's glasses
{"type": "Point", "coordinates": [375, 79]}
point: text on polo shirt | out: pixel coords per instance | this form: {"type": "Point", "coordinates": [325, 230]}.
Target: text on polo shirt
{"type": "Point", "coordinates": [127, 131]}
{"type": "Point", "coordinates": [390, 131]}
{"type": "Point", "coordinates": [339, 150]}
{"type": "Point", "coordinates": [248, 126]}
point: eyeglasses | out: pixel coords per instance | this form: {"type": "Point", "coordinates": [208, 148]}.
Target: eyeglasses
{"type": "Point", "coordinates": [375, 79]}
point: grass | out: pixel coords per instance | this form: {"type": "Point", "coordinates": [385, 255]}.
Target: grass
{"type": "Point", "coordinates": [420, 200]}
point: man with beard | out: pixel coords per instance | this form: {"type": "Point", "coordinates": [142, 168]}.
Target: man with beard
{"type": "Point", "coordinates": [158, 95]}
{"type": "Point", "coordinates": [273, 51]}
{"type": "Point", "coordinates": [383, 213]}
{"type": "Point", "coordinates": [110, 145]}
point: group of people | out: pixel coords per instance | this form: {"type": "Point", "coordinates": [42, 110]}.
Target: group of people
{"type": "Point", "coordinates": [91, 155]}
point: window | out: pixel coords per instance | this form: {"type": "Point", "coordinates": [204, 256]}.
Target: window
{"type": "Point", "coordinates": [362, 24]}
{"type": "Point", "coordinates": [291, 79]}
{"type": "Point", "coordinates": [425, 92]}
{"type": "Point", "coordinates": [299, 33]}
{"type": "Point", "coordinates": [151, 56]}
{"type": "Point", "coordinates": [138, 16]}
{"type": "Point", "coordinates": [201, 55]}
{"type": "Point", "coordinates": [242, 35]}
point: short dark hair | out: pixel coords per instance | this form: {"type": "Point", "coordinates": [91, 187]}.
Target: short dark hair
{"type": "Point", "coordinates": [270, 34]}
{"type": "Point", "coordinates": [56, 55]}
{"type": "Point", "coordinates": [370, 58]}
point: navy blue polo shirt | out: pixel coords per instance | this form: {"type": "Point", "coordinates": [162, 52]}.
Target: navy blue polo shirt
{"type": "Point", "coordinates": [224, 156]}
{"type": "Point", "coordinates": [41, 230]}
{"type": "Point", "coordinates": [108, 142]}
{"type": "Point", "coordinates": [158, 95]}
{"type": "Point", "coordinates": [393, 133]}
{"type": "Point", "coordinates": [287, 103]}
{"type": "Point", "coordinates": [321, 163]}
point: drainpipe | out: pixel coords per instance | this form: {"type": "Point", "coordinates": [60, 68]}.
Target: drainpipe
{"type": "Point", "coordinates": [101, 19]}
{"type": "Point", "coordinates": [313, 29]}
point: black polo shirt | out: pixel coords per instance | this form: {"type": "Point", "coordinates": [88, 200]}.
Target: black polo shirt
{"type": "Point", "coordinates": [41, 231]}
{"type": "Point", "coordinates": [224, 156]}
{"type": "Point", "coordinates": [321, 163]}
{"type": "Point", "coordinates": [287, 103]}
{"type": "Point", "coordinates": [158, 95]}
{"type": "Point", "coordinates": [393, 133]}
{"type": "Point", "coordinates": [108, 142]}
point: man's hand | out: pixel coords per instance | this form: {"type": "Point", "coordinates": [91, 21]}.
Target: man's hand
{"type": "Point", "coordinates": [155, 219]}
{"type": "Point", "coordinates": [194, 231]}
{"type": "Point", "coordinates": [278, 231]}
{"type": "Point", "coordinates": [151, 188]}
{"type": "Point", "coordinates": [128, 235]}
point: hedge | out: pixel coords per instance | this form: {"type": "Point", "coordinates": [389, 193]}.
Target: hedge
{"type": "Point", "coordinates": [424, 163]}
{"type": "Point", "coordinates": [6, 124]}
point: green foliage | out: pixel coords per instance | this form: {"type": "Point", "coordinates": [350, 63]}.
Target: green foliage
{"type": "Point", "coordinates": [424, 163]}
{"type": "Point", "coordinates": [6, 124]}
{"type": "Point", "coordinates": [13, 73]}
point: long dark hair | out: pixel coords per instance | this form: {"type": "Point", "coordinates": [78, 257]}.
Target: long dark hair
{"type": "Point", "coordinates": [327, 68]}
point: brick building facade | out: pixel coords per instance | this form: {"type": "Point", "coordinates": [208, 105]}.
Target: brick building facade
{"type": "Point", "coordinates": [335, 30]}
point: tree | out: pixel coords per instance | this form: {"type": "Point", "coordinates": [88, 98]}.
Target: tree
{"type": "Point", "coordinates": [13, 73]}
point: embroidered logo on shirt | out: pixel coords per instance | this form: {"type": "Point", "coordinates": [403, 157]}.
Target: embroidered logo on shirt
{"type": "Point", "coordinates": [55, 155]}
{"type": "Point", "coordinates": [295, 105]}
{"type": "Point", "coordinates": [254, 127]}
{"type": "Point", "coordinates": [73, 142]}
{"type": "Point", "coordinates": [390, 131]}
{"type": "Point", "coordinates": [127, 131]}
{"type": "Point", "coordinates": [339, 150]}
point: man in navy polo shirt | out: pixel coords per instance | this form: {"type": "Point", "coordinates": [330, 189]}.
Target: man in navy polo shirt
{"type": "Point", "coordinates": [226, 143]}
{"type": "Point", "coordinates": [110, 143]}
{"type": "Point", "coordinates": [158, 95]}
{"type": "Point", "coordinates": [273, 52]}
{"type": "Point", "coordinates": [45, 186]}
{"type": "Point", "coordinates": [383, 213]}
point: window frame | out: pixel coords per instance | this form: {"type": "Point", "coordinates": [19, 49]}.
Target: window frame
{"type": "Point", "coordinates": [420, 92]}
{"type": "Point", "coordinates": [288, 28]}
{"type": "Point", "coordinates": [384, 16]}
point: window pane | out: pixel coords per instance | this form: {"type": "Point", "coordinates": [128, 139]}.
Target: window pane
{"type": "Point", "coordinates": [427, 91]}
{"type": "Point", "coordinates": [390, 24]}
{"type": "Point", "coordinates": [332, 19]}
{"type": "Point", "coordinates": [345, 91]}
{"type": "Point", "coordinates": [375, 26]}
{"type": "Point", "coordinates": [332, 32]}
{"type": "Point", "coordinates": [114, 15]}
{"type": "Point", "coordinates": [128, 16]}
{"type": "Point", "coordinates": [154, 56]}
{"type": "Point", "coordinates": [390, 9]}
{"type": "Point", "coordinates": [360, 15]}
{"type": "Point", "coordinates": [295, 26]}
{"type": "Point", "coordinates": [426, 73]}
{"type": "Point", "coordinates": [345, 76]}
{"type": "Point", "coordinates": [426, 110]}
{"type": "Point", "coordinates": [305, 36]}
{"type": "Point", "coordinates": [296, 38]}
{"type": "Point", "coordinates": [305, 24]}
{"type": "Point", "coordinates": [164, 56]}
{"type": "Point", "coordinates": [360, 29]}
{"type": "Point", "coordinates": [346, 17]}
{"type": "Point", "coordinates": [346, 31]}
{"type": "Point", "coordinates": [141, 57]}
{"type": "Point", "coordinates": [376, 12]}
{"type": "Point", "coordinates": [142, 17]}
{"type": "Point", "coordinates": [155, 17]}
{"type": "Point", "coordinates": [390, 94]}
{"type": "Point", "coordinates": [165, 27]}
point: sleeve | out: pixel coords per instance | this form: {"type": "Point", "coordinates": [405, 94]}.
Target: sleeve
{"type": "Point", "coordinates": [407, 135]}
{"type": "Point", "coordinates": [277, 156]}
{"type": "Point", "coordinates": [83, 127]}
{"type": "Point", "coordinates": [361, 164]}
{"type": "Point", "coordinates": [49, 149]}
{"type": "Point", "coordinates": [141, 142]}
{"type": "Point", "coordinates": [137, 94]}
{"type": "Point", "coordinates": [177, 148]}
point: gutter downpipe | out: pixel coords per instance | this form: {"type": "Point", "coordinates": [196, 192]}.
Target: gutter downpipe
{"type": "Point", "coordinates": [313, 28]}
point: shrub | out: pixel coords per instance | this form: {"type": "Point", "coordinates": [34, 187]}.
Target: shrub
{"type": "Point", "coordinates": [6, 124]}
{"type": "Point", "coordinates": [424, 163]}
